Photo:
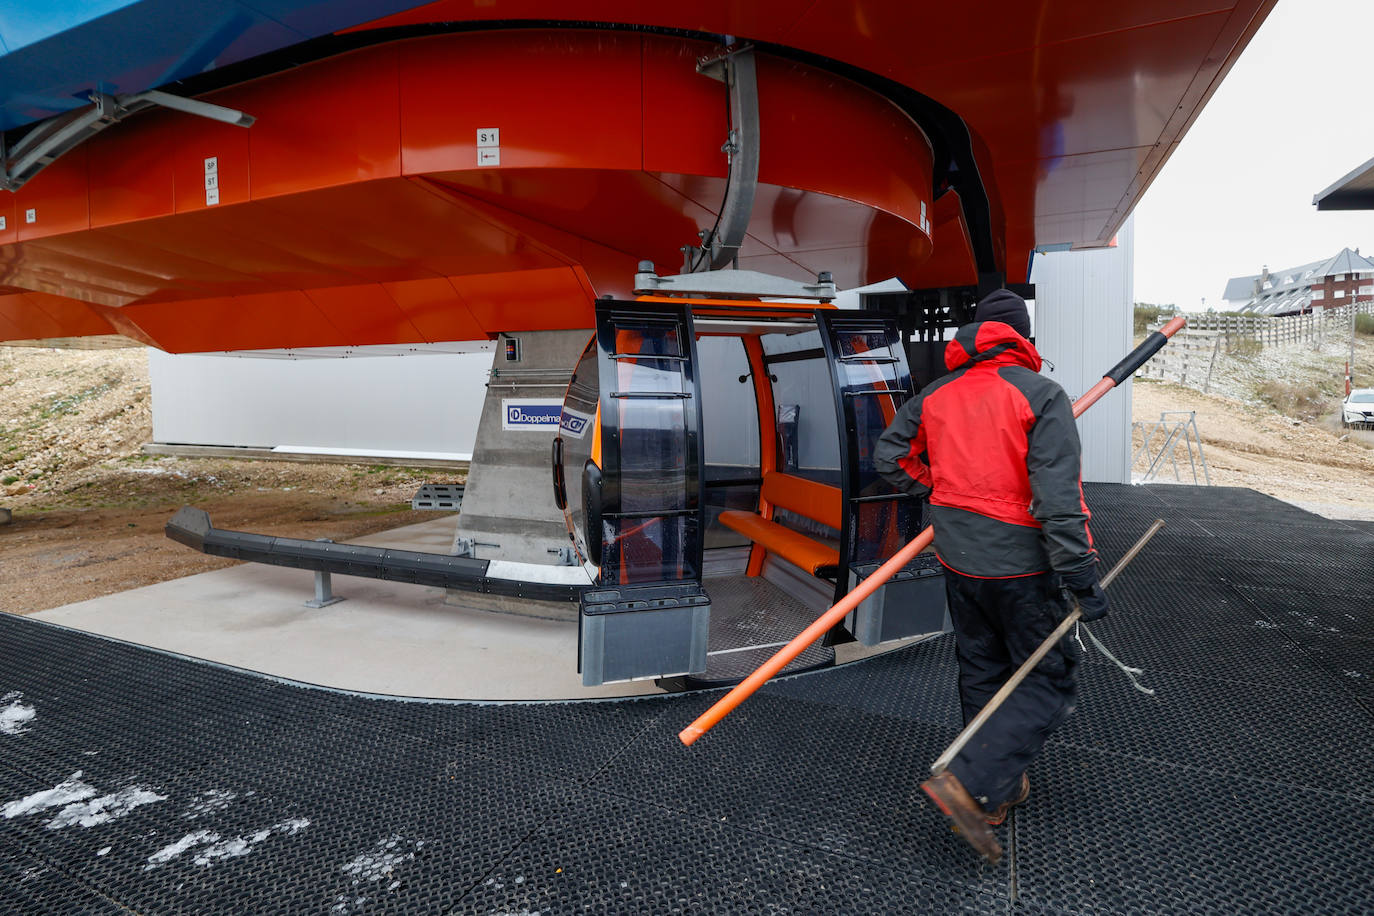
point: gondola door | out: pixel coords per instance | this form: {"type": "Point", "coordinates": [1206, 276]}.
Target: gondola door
{"type": "Point", "coordinates": [648, 615]}
{"type": "Point", "coordinates": [871, 381]}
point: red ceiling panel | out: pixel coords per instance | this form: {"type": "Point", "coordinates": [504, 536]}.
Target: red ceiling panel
{"type": "Point", "coordinates": [435, 310]}
{"type": "Point", "coordinates": [226, 149]}
{"type": "Point", "coordinates": [533, 300]}
{"type": "Point", "coordinates": [365, 314]}
{"type": "Point", "coordinates": [9, 234]}
{"type": "Point", "coordinates": [558, 100]}
{"type": "Point", "coordinates": [55, 201]}
{"type": "Point", "coordinates": [333, 122]}
{"type": "Point", "coordinates": [132, 181]}
{"type": "Point", "coordinates": [287, 319]}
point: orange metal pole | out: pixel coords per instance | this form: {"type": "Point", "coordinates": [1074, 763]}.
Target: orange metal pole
{"type": "Point", "coordinates": [746, 688]}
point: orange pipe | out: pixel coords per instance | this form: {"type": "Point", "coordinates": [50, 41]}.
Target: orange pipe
{"type": "Point", "coordinates": [746, 688]}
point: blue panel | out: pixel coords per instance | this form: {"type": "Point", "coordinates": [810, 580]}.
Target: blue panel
{"type": "Point", "coordinates": [54, 53]}
{"type": "Point", "coordinates": [23, 24]}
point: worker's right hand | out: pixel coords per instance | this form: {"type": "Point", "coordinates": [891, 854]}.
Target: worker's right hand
{"type": "Point", "coordinates": [1092, 600]}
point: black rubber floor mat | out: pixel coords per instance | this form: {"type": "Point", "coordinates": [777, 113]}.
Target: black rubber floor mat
{"type": "Point", "coordinates": [1107, 834]}
{"type": "Point", "coordinates": [135, 781]}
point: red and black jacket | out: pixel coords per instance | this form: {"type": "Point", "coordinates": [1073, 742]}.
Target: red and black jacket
{"type": "Point", "coordinates": [994, 447]}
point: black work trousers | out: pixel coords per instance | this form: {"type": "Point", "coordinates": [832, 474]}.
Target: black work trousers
{"type": "Point", "coordinates": [998, 624]}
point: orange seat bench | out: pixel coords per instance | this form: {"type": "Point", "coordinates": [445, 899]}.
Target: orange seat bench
{"type": "Point", "coordinates": [816, 501]}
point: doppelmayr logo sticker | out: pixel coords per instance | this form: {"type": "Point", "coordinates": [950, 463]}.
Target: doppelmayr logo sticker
{"type": "Point", "coordinates": [575, 423]}
{"type": "Point", "coordinates": [536, 414]}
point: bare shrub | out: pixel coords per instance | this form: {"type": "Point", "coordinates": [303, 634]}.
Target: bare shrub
{"type": "Point", "coordinates": [1295, 399]}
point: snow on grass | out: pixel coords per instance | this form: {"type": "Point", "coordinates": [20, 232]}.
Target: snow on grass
{"type": "Point", "coordinates": [15, 714]}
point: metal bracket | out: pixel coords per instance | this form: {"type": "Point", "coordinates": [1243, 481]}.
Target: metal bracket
{"type": "Point", "coordinates": [732, 284]}
{"type": "Point", "coordinates": [45, 143]}
{"type": "Point", "coordinates": [720, 245]}
{"type": "Point", "coordinates": [467, 547]}
{"type": "Point", "coordinates": [324, 586]}
{"type": "Point", "coordinates": [566, 556]}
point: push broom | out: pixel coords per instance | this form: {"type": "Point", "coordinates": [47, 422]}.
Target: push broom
{"type": "Point", "coordinates": [823, 624]}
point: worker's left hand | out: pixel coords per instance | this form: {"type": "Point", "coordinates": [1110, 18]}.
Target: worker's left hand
{"type": "Point", "coordinates": [1092, 600]}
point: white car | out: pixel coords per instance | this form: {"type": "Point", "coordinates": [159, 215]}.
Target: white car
{"type": "Point", "coordinates": [1358, 409]}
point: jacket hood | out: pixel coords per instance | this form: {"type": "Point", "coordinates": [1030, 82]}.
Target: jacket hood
{"type": "Point", "coordinates": [990, 341]}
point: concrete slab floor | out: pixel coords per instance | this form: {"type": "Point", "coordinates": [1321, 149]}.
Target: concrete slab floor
{"type": "Point", "coordinates": [386, 637]}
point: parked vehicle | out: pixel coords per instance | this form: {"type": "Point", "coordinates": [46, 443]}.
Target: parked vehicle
{"type": "Point", "coordinates": [1357, 409]}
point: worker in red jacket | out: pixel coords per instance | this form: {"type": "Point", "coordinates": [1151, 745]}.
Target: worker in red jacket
{"type": "Point", "coordinates": [994, 448]}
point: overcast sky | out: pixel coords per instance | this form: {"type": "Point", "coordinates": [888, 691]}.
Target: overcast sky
{"type": "Point", "coordinates": [1294, 115]}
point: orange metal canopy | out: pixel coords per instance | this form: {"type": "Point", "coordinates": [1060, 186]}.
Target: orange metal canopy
{"type": "Point", "coordinates": [354, 210]}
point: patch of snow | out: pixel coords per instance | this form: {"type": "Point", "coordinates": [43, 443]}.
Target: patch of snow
{"type": "Point", "coordinates": [70, 790]}
{"type": "Point", "coordinates": [15, 714]}
{"type": "Point", "coordinates": [173, 850]}
{"type": "Point", "coordinates": [104, 809]}
{"type": "Point", "coordinates": [209, 802]}
{"type": "Point", "coordinates": [373, 867]}
{"type": "Point", "coordinates": [217, 848]}
{"type": "Point", "coordinates": [228, 849]}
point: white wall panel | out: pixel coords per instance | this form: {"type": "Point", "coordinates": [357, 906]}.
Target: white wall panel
{"type": "Point", "coordinates": [385, 405]}
{"type": "Point", "coordinates": [1083, 320]}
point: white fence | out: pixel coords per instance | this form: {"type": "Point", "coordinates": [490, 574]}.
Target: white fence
{"type": "Point", "coordinates": [1313, 327]}
{"type": "Point", "coordinates": [1188, 359]}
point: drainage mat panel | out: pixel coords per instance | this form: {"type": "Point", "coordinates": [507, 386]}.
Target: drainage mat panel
{"type": "Point", "coordinates": [1322, 741]}
{"type": "Point", "coordinates": [33, 886]}
{"type": "Point", "coordinates": [1117, 493]}
{"type": "Point", "coordinates": [1350, 662]}
{"type": "Point", "coordinates": [1105, 834]}
{"type": "Point", "coordinates": [807, 773]}
{"type": "Point", "coordinates": [623, 856]}
{"type": "Point", "coordinates": [1213, 499]}
{"type": "Point", "coordinates": [1350, 575]}
{"type": "Point", "coordinates": [918, 682]}
{"type": "Point", "coordinates": [397, 839]}
{"type": "Point", "coordinates": [566, 739]}
{"type": "Point", "coordinates": [1258, 653]}
{"type": "Point", "coordinates": [1342, 615]}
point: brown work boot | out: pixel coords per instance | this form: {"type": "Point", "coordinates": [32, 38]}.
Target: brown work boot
{"type": "Point", "coordinates": [968, 816]}
{"type": "Point", "coordinates": [998, 816]}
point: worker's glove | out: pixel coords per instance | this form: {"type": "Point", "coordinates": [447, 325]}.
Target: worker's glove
{"type": "Point", "coordinates": [1092, 600]}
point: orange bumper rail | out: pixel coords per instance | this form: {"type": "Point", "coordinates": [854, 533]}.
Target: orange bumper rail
{"type": "Point", "coordinates": [746, 688]}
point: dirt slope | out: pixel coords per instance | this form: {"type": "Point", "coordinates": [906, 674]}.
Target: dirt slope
{"type": "Point", "coordinates": [1303, 455]}
{"type": "Point", "coordinates": [89, 507]}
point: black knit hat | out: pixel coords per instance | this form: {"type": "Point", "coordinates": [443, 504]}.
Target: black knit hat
{"type": "Point", "coordinates": [1005, 306]}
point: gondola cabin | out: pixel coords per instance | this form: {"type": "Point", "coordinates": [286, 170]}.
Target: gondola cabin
{"type": "Point", "coordinates": [715, 470]}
